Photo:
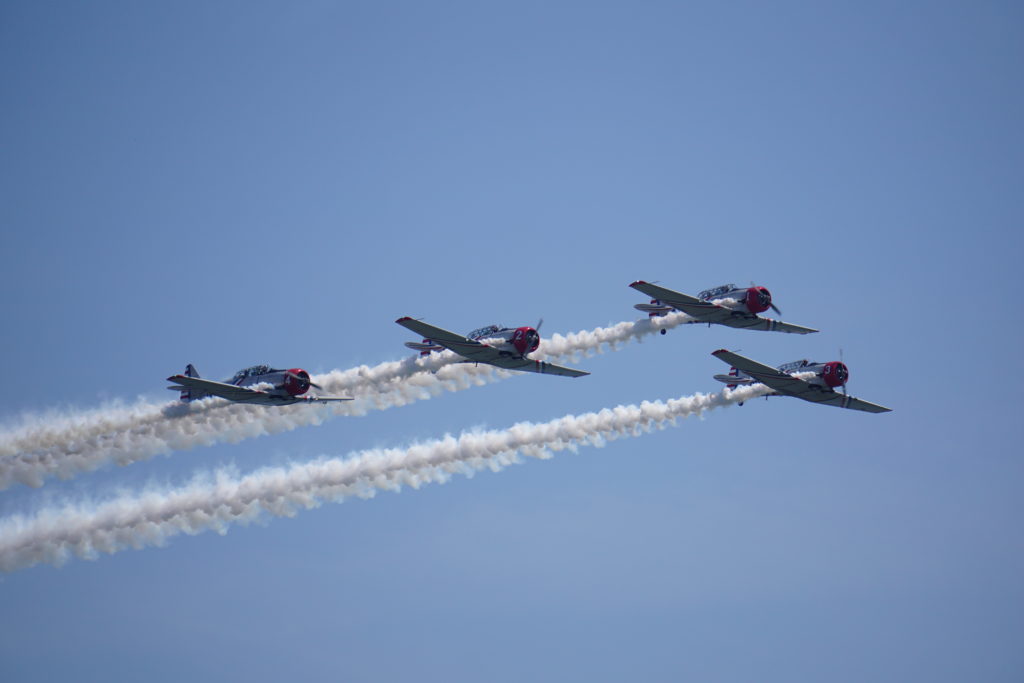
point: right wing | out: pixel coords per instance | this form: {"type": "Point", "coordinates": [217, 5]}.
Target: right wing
{"type": "Point", "coordinates": [834, 398]}
{"type": "Point", "coordinates": [788, 385]}
{"type": "Point", "coordinates": [707, 312]}
{"type": "Point", "coordinates": [540, 366]}
{"type": "Point", "coordinates": [464, 346]}
{"type": "Point", "coordinates": [318, 399]}
{"type": "Point", "coordinates": [748, 321]}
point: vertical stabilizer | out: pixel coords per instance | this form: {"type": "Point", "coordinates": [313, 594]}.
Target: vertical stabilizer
{"type": "Point", "coordinates": [190, 371]}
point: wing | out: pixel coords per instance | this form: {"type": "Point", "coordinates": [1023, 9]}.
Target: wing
{"type": "Point", "coordinates": [482, 353]}
{"type": "Point", "coordinates": [206, 387]}
{"type": "Point", "coordinates": [834, 398]}
{"type": "Point", "coordinates": [539, 366]}
{"type": "Point", "coordinates": [464, 346]}
{"type": "Point", "coordinates": [707, 312]}
{"type": "Point", "coordinates": [691, 305]}
{"type": "Point", "coordinates": [748, 321]}
{"type": "Point", "coordinates": [788, 385]}
{"type": "Point", "coordinates": [229, 391]}
{"type": "Point", "coordinates": [769, 376]}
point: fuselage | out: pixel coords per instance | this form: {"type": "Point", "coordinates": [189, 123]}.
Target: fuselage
{"type": "Point", "coordinates": [292, 382]}
{"type": "Point", "coordinates": [752, 300]}
{"type": "Point", "coordinates": [514, 341]}
{"type": "Point", "coordinates": [825, 375]}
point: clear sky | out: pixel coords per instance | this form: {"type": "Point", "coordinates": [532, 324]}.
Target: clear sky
{"type": "Point", "coordinates": [236, 183]}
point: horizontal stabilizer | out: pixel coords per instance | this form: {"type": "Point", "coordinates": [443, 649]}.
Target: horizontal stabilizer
{"type": "Point", "coordinates": [733, 379]}
{"type": "Point", "coordinates": [652, 308]}
{"type": "Point", "coordinates": [417, 346]}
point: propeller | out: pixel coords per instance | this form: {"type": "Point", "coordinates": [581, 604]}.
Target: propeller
{"type": "Point", "coordinates": [771, 303]}
{"type": "Point", "coordinates": [539, 323]}
{"type": "Point", "coordinates": [304, 379]}
{"type": "Point", "coordinates": [844, 365]}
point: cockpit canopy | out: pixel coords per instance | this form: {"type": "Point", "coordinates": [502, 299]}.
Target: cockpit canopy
{"type": "Point", "coordinates": [715, 292]}
{"type": "Point", "coordinates": [252, 371]}
{"type": "Point", "coordinates": [485, 332]}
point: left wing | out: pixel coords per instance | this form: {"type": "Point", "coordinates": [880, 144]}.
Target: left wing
{"type": "Point", "coordinates": [205, 387]}
{"type": "Point", "coordinates": [707, 312]}
{"type": "Point", "coordinates": [788, 385]}
{"type": "Point", "coordinates": [769, 376]}
{"type": "Point", "coordinates": [476, 352]}
{"type": "Point", "coordinates": [464, 346]}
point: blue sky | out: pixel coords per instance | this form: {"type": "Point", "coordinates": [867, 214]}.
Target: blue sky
{"type": "Point", "coordinates": [236, 183]}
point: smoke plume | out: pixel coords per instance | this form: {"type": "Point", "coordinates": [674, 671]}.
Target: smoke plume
{"type": "Point", "coordinates": [216, 501]}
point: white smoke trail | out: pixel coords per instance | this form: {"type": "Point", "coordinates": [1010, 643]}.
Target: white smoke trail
{"type": "Point", "coordinates": [64, 445]}
{"type": "Point", "coordinates": [612, 338]}
{"type": "Point", "coordinates": [67, 445]}
{"type": "Point", "coordinates": [222, 498]}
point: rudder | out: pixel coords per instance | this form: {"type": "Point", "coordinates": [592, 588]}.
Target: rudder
{"type": "Point", "coordinates": [186, 395]}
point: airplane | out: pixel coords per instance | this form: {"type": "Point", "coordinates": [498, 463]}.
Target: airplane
{"type": "Point", "coordinates": [503, 347]}
{"type": "Point", "coordinates": [285, 386]}
{"type": "Point", "coordinates": [821, 388]}
{"type": "Point", "coordinates": [726, 305]}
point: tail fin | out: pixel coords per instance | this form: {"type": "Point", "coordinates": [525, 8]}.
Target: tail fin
{"type": "Point", "coordinates": [733, 380]}
{"type": "Point", "coordinates": [190, 371]}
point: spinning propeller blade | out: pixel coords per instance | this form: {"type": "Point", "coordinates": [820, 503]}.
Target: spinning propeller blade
{"type": "Point", "coordinates": [844, 365]}
{"type": "Point", "coordinates": [304, 379]}
{"type": "Point", "coordinates": [770, 302]}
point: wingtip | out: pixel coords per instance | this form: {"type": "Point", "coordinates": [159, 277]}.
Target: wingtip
{"type": "Point", "coordinates": [719, 352]}
{"type": "Point", "coordinates": [637, 282]}
{"type": "Point", "coordinates": [403, 319]}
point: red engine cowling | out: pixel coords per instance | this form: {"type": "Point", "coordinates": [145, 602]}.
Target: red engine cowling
{"type": "Point", "coordinates": [296, 382]}
{"type": "Point", "coordinates": [525, 340]}
{"type": "Point", "coordinates": [835, 374]}
{"type": "Point", "coordinates": [759, 299]}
